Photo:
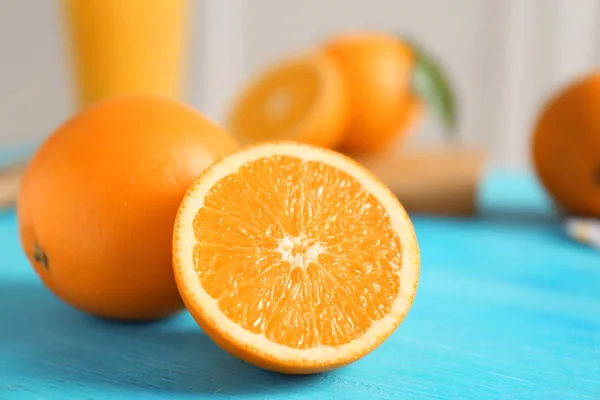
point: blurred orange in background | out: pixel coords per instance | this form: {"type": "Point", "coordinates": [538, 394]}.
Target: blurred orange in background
{"type": "Point", "coordinates": [377, 69]}
{"type": "Point", "coordinates": [132, 46]}
{"type": "Point", "coordinates": [387, 83]}
{"type": "Point", "coordinates": [566, 146]}
{"type": "Point", "coordinates": [302, 98]}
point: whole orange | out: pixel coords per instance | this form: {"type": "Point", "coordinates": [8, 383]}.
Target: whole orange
{"type": "Point", "coordinates": [98, 202]}
{"type": "Point", "coordinates": [389, 82]}
{"type": "Point", "coordinates": [566, 146]}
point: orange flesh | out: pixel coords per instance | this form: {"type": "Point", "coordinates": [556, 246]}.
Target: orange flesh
{"type": "Point", "coordinates": [297, 251]}
{"type": "Point", "coordinates": [279, 102]}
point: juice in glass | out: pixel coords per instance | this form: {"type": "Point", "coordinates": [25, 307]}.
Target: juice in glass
{"type": "Point", "coordinates": [126, 46]}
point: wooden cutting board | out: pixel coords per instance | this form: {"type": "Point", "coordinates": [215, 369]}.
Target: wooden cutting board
{"type": "Point", "coordinates": [10, 179]}
{"type": "Point", "coordinates": [436, 181]}
{"type": "Point", "coordinates": [430, 181]}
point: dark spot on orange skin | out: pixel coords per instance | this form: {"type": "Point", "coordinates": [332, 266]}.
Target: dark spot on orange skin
{"type": "Point", "coordinates": [40, 257]}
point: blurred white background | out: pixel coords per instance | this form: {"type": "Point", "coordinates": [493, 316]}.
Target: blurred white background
{"type": "Point", "coordinates": [503, 56]}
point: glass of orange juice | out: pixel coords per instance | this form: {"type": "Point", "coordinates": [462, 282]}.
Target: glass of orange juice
{"type": "Point", "coordinates": [126, 46]}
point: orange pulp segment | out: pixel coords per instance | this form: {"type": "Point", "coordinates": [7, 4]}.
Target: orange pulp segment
{"type": "Point", "coordinates": [301, 98]}
{"type": "Point", "coordinates": [294, 258]}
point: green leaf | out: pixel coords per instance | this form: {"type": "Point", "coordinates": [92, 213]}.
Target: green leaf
{"type": "Point", "coordinates": [432, 85]}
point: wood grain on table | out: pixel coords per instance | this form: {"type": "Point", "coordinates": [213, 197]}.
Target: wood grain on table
{"type": "Point", "coordinates": [507, 307]}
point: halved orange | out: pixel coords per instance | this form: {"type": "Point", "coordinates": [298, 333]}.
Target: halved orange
{"type": "Point", "coordinates": [301, 98]}
{"type": "Point", "coordinates": [294, 258]}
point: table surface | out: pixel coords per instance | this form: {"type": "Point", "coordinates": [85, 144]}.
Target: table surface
{"type": "Point", "coordinates": [508, 307]}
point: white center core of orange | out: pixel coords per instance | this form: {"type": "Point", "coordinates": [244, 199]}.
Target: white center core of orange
{"type": "Point", "coordinates": [278, 104]}
{"type": "Point", "coordinates": [299, 251]}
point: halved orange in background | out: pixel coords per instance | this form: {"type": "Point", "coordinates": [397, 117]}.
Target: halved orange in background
{"type": "Point", "coordinates": [302, 98]}
{"type": "Point", "coordinates": [294, 258]}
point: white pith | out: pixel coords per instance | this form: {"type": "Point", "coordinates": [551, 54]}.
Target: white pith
{"type": "Point", "coordinates": [298, 251]}
{"type": "Point", "coordinates": [278, 104]}
{"type": "Point", "coordinates": [258, 344]}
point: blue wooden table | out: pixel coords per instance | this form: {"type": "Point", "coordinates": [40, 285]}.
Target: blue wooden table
{"type": "Point", "coordinates": [507, 307]}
